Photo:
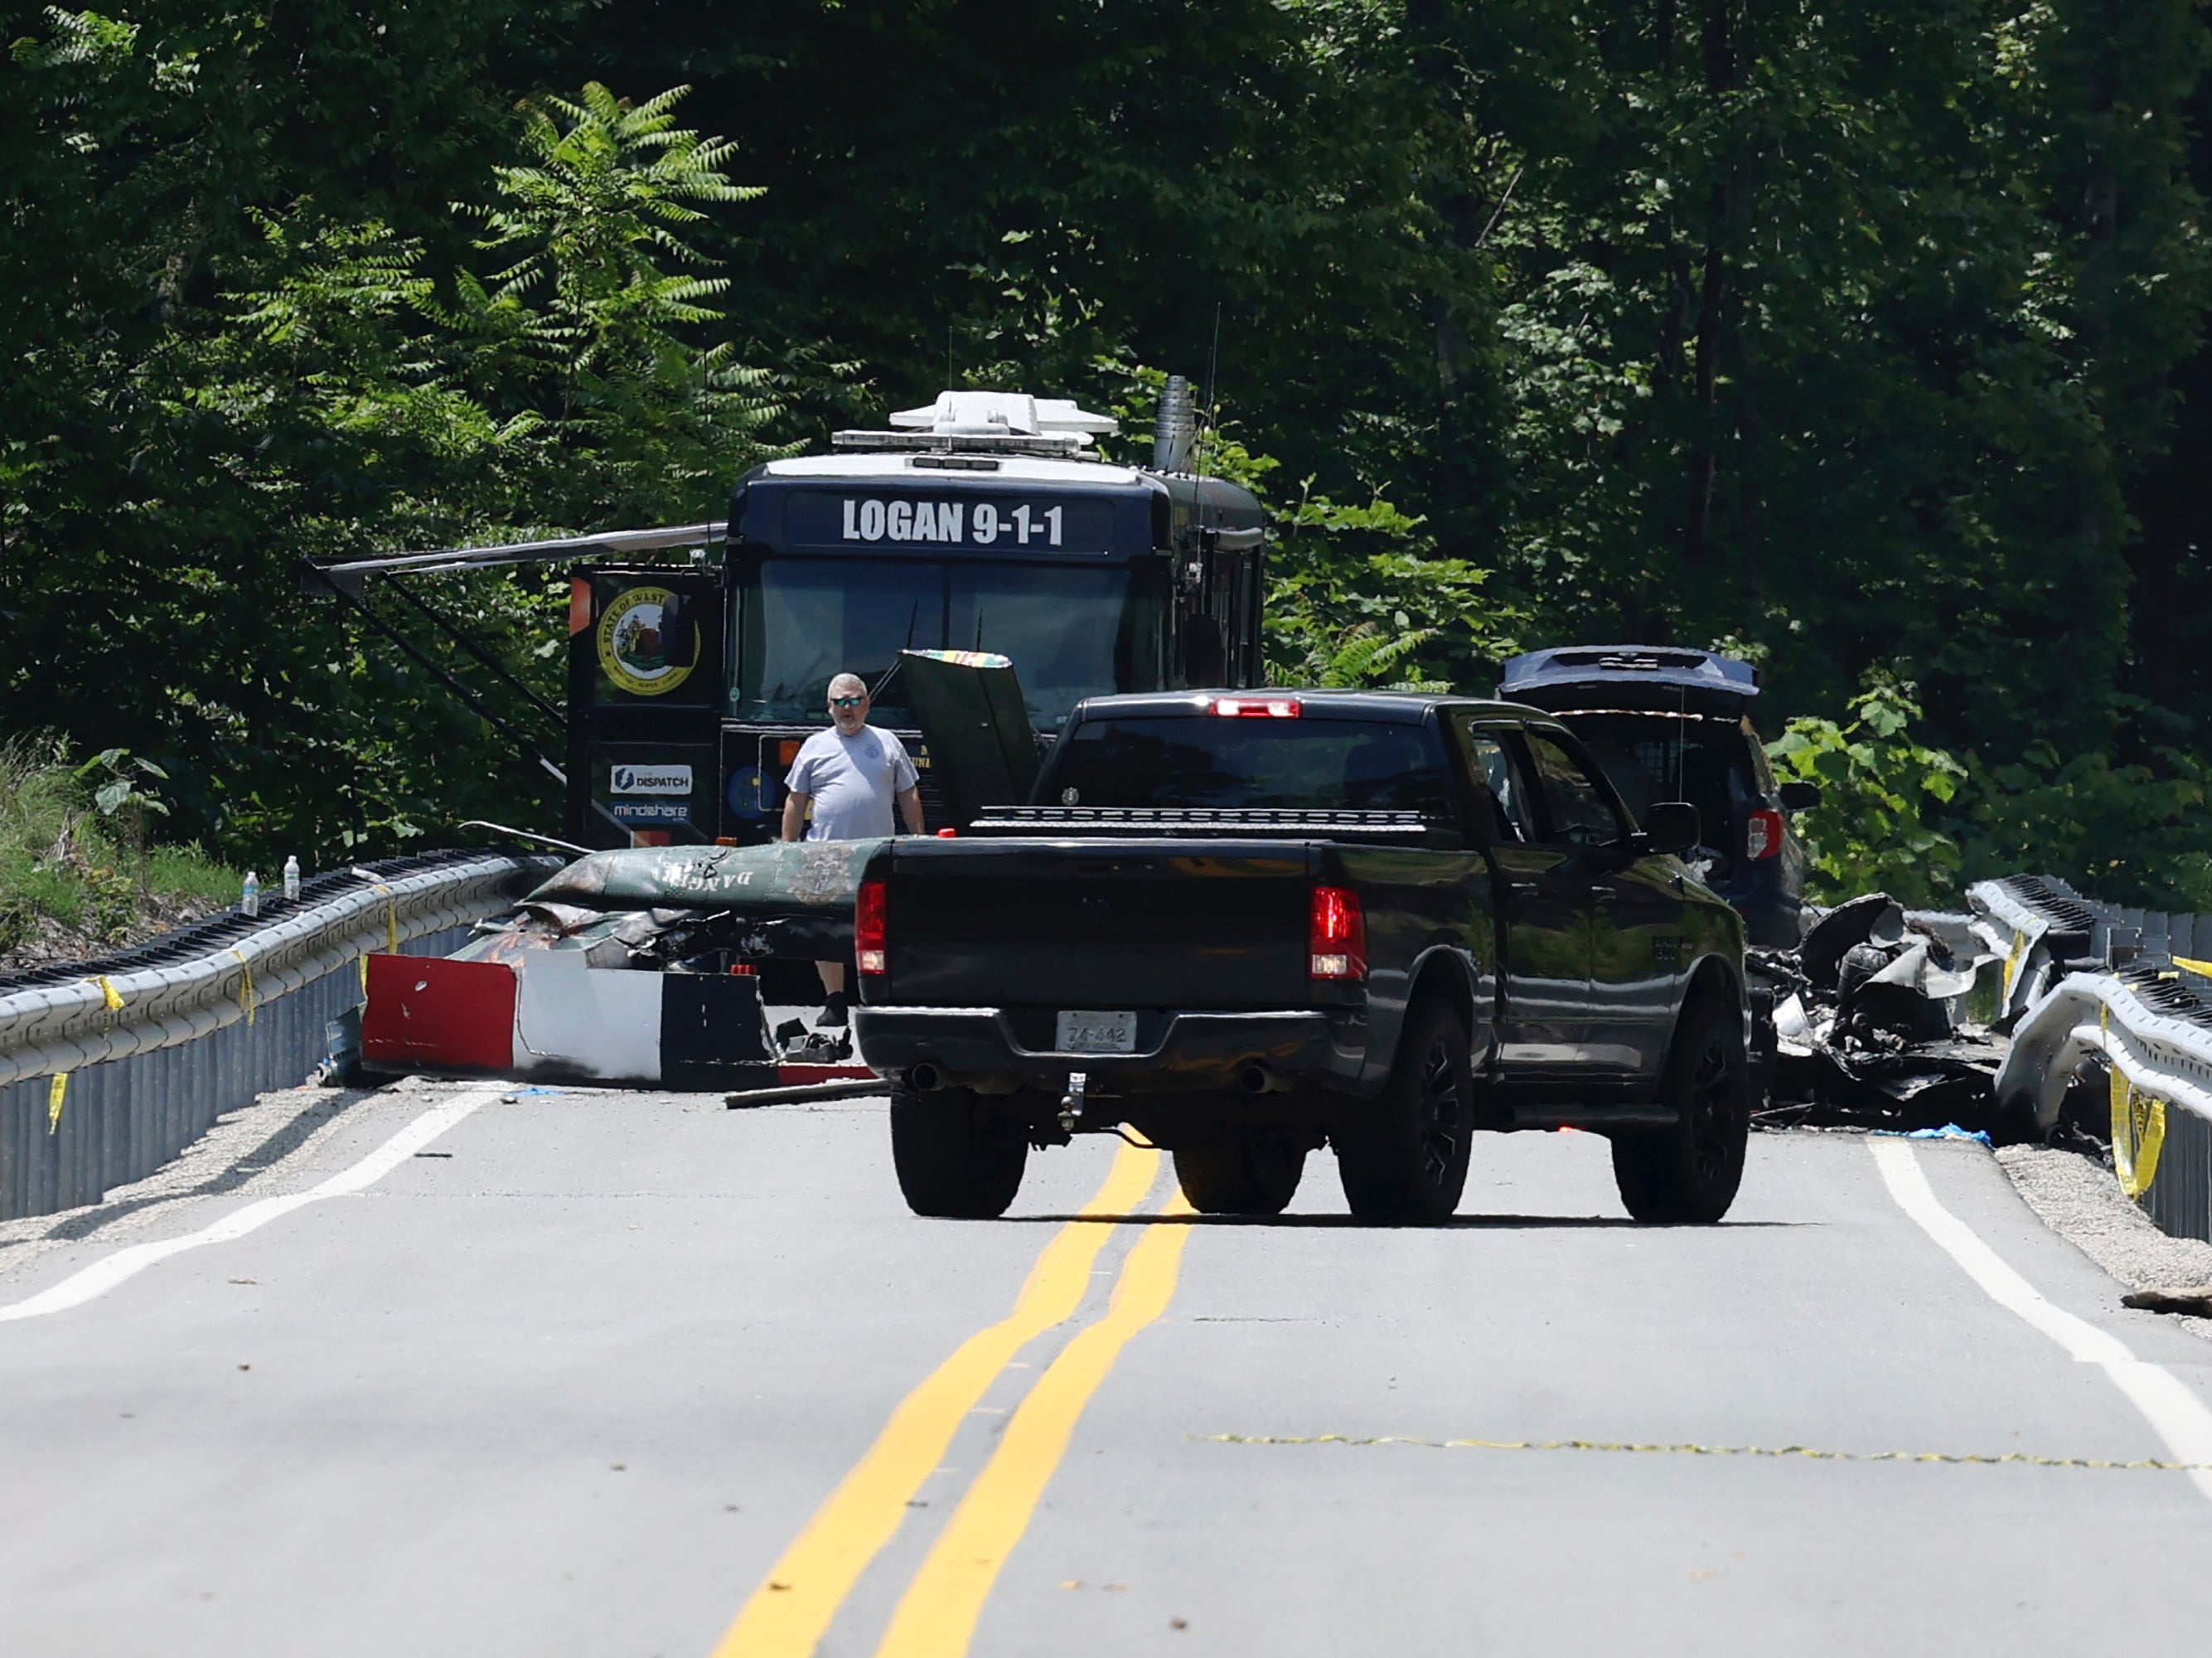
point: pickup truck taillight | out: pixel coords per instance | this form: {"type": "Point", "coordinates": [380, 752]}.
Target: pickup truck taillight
{"type": "Point", "coordinates": [1258, 708]}
{"type": "Point", "coordinates": [1762, 836]}
{"type": "Point", "coordinates": [871, 946]}
{"type": "Point", "coordinates": [1338, 942]}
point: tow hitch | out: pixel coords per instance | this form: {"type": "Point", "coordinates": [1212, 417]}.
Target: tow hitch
{"type": "Point", "coordinates": [1071, 1107]}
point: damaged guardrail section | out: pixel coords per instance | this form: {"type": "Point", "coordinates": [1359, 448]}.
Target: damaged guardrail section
{"type": "Point", "coordinates": [108, 1069]}
{"type": "Point", "coordinates": [2091, 987]}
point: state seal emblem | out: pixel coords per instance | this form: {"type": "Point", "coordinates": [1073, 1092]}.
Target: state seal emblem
{"type": "Point", "coordinates": [641, 646]}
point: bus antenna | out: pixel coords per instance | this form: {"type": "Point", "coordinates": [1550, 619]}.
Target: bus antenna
{"type": "Point", "coordinates": [1212, 377]}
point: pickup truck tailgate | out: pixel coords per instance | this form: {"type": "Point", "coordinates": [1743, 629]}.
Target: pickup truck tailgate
{"type": "Point", "coordinates": [1154, 924]}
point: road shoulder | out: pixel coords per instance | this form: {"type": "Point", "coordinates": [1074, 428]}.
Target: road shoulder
{"type": "Point", "coordinates": [2078, 1198]}
{"type": "Point", "coordinates": [281, 1144]}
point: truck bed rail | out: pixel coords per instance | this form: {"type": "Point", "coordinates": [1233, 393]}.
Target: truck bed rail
{"type": "Point", "coordinates": [1200, 821]}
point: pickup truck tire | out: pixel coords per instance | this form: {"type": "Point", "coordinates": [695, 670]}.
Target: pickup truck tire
{"type": "Point", "coordinates": [1257, 1173]}
{"type": "Point", "coordinates": [1404, 1161]}
{"type": "Point", "coordinates": [1688, 1173]}
{"type": "Point", "coordinates": [956, 1157]}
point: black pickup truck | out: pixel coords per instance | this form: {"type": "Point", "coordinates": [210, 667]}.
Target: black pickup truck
{"type": "Point", "coordinates": [1243, 925]}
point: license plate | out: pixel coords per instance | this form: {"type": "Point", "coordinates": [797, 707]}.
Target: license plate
{"type": "Point", "coordinates": [1096, 1033]}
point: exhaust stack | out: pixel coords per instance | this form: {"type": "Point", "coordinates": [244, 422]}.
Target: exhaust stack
{"type": "Point", "coordinates": [1176, 433]}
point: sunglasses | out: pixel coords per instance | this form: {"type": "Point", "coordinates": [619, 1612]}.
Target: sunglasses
{"type": "Point", "coordinates": [847, 702]}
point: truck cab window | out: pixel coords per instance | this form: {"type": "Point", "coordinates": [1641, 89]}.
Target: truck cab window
{"type": "Point", "coordinates": [1202, 761]}
{"type": "Point", "coordinates": [1495, 770]}
{"type": "Point", "coordinates": [1582, 815]}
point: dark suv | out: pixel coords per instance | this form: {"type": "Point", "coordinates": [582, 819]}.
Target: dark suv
{"type": "Point", "coordinates": [1666, 724]}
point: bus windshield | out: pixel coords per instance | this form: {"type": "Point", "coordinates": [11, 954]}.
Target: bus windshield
{"type": "Point", "coordinates": [1070, 630]}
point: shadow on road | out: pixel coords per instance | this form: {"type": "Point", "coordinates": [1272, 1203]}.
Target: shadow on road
{"type": "Point", "coordinates": [84, 1223]}
{"type": "Point", "coordinates": [1457, 1224]}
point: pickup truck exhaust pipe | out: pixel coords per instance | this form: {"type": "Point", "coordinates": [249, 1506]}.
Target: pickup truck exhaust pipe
{"type": "Point", "coordinates": [925, 1078]}
{"type": "Point", "coordinates": [1258, 1079]}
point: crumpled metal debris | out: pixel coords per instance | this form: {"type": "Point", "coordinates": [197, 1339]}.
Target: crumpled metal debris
{"type": "Point", "coordinates": [796, 1044]}
{"type": "Point", "coordinates": [688, 909]}
{"type": "Point", "coordinates": [779, 878]}
{"type": "Point", "coordinates": [1869, 1025]}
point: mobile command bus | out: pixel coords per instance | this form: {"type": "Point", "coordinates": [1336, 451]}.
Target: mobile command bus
{"type": "Point", "coordinates": [701, 656]}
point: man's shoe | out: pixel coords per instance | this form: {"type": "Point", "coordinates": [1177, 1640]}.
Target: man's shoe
{"type": "Point", "coordinates": [833, 1013]}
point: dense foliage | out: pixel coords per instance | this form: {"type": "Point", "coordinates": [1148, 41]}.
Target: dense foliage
{"type": "Point", "coordinates": [1865, 340]}
{"type": "Point", "coordinates": [77, 872]}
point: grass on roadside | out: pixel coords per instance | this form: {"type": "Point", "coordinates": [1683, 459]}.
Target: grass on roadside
{"type": "Point", "coordinates": [72, 880]}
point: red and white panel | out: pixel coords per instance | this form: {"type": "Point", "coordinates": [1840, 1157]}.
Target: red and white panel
{"type": "Point", "coordinates": [547, 1016]}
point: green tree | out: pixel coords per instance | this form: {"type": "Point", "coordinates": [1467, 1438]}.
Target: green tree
{"type": "Point", "coordinates": [1865, 336]}
{"type": "Point", "coordinates": [600, 287]}
{"type": "Point", "coordinates": [124, 793]}
{"type": "Point", "coordinates": [2129, 833]}
{"type": "Point", "coordinates": [1357, 597]}
{"type": "Point", "coordinates": [1882, 797]}
{"type": "Point", "coordinates": [330, 391]}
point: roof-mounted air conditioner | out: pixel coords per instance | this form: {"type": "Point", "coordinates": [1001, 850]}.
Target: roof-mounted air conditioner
{"type": "Point", "coordinates": [1000, 422]}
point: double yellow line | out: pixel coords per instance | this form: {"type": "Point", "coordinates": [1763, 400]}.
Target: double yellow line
{"type": "Point", "coordinates": [791, 1609]}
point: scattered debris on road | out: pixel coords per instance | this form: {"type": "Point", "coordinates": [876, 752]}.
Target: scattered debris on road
{"type": "Point", "coordinates": [2196, 1301]}
{"type": "Point", "coordinates": [1871, 1028]}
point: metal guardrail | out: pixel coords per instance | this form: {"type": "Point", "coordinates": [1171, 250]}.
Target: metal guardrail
{"type": "Point", "coordinates": [2179, 1194]}
{"type": "Point", "coordinates": [2032, 924]}
{"type": "Point", "coordinates": [2082, 986]}
{"type": "Point", "coordinates": [108, 1069]}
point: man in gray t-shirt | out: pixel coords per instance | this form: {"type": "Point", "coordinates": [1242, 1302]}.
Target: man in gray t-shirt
{"type": "Point", "coordinates": [849, 775]}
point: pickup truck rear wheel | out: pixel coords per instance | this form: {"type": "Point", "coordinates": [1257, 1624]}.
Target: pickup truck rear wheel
{"type": "Point", "coordinates": [956, 1157]}
{"type": "Point", "coordinates": [1404, 1162]}
{"type": "Point", "coordinates": [1255, 1173]}
{"type": "Point", "coordinates": [1689, 1173]}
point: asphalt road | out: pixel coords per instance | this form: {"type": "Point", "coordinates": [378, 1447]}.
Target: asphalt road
{"type": "Point", "coordinates": [613, 1374]}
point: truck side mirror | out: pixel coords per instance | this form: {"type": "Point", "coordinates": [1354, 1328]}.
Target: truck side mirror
{"type": "Point", "coordinates": [1798, 795]}
{"type": "Point", "coordinates": [1672, 826]}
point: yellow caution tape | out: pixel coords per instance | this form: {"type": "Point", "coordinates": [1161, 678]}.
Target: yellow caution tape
{"type": "Point", "coordinates": [108, 990]}
{"type": "Point", "coordinates": [1805, 1451]}
{"type": "Point", "coordinates": [57, 1091]}
{"type": "Point", "coordinates": [2013, 960]}
{"type": "Point", "coordinates": [245, 984]}
{"type": "Point", "coordinates": [2138, 1132]}
{"type": "Point", "coordinates": [363, 962]}
{"type": "Point", "coordinates": [391, 922]}
{"type": "Point", "coordinates": [2202, 968]}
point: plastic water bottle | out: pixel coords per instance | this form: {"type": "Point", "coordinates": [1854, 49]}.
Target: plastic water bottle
{"type": "Point", "coordinates": [291, 881]}
{"type": "Point", "coordinates": [249, 900]}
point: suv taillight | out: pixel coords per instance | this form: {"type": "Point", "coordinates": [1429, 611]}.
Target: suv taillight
{"type": "Point", "coordinates": [1337, 940]}
{"type": "Point", "coordinates": [1762, 835]}
{"type": "Point", "coordinates": [871, 946]}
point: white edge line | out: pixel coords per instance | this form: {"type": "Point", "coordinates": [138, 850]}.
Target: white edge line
{"type": "Point", "coordinates": [103, 1275]}
{"type": "Point", "coordinates": [2168, 1404]}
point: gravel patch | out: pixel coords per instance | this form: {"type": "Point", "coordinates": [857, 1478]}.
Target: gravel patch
{"type": "Point", "coordinates": [2079, 1200]}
